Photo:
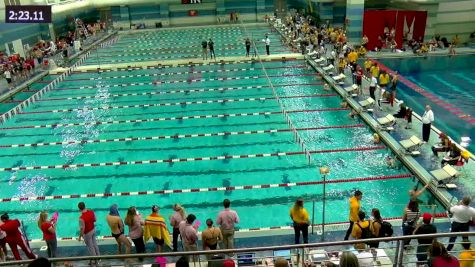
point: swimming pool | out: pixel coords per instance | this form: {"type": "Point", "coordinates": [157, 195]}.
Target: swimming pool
{"type": "Point", "coordinates": [192, 135]}
{"type": "Point", "coordinates": [447, 83]}
{"type": "Point", "coordinates": [163, 45]}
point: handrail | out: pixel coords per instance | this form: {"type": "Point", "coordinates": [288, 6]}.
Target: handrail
{"type": "Point", "coordinates": [243, 250]}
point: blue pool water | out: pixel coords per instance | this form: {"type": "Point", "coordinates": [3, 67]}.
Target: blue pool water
{"type": "Point", "coordinates": [451, 79]}
{"type": "Point", "coordinates": [85, 120]}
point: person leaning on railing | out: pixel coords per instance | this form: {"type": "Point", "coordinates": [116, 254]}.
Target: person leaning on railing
{"type": "Point", "coordinates": [462, 216]}
{"type": "Point", "coordinates": [422, 229]}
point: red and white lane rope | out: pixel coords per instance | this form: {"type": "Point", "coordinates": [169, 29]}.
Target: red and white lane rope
{"type": "Point", "coordinates": [180, 136]}
{"type": "Point", "coordinates": [176, 160]}
{"type": "Point", "coordinates": [55, 125]}
{"type": "Point", "coordinates": [207, 189]}
{"type": "Point", "coordinates": [198, 102]}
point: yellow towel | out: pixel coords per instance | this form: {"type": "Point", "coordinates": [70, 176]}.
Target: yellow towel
{"type": "Point", "coordinates": [155, 226]}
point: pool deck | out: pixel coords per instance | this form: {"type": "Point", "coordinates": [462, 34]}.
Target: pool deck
{"type": "Point", "coordinates": [404, 54]}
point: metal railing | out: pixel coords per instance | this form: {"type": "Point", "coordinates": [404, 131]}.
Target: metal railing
{"type": "Point", "coordinates": [301, 254]}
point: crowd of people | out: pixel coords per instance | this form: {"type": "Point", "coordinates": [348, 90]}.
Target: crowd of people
{"type": "Point", "coordinates": [17, 69]}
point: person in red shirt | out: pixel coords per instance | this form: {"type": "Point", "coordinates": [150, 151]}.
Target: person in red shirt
{"type": "Point", "coordinates": [87, 229]}
{"type": "Point", "coordinates": [15, 238]}
{"type": "Point", "coordinates": [440, 257]}
{"type": "Point", "coordinates": [48, 227]}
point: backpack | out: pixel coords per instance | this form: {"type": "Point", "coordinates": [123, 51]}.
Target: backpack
{"type": "Point", "coordinates": [386, 229]}
{"type": "Point", "coordinates": [365, 232]}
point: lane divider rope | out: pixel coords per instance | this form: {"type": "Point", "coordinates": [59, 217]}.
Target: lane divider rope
{"type": "Point", "coordinates": [266, 113]}
{"type": "Point", "coordinates": [208, 189]}
{"type": "Point", "coordinates": [176, 160]}
{"type": "Point", "coordinates": [180, 136]}
{"type": "Point", "coordinates": [198, 102]}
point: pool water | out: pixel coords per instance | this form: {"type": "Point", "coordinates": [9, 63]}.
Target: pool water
{"type": "Point", "coordinates": [89, 145]}
{"type": "Point", "coordinates": [169, 44]}
{"type": "Point", "coordinates": [450, 79]}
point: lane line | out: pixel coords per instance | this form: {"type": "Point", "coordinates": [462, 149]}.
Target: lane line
{"type": "Point", "coordinates": [208, 189]}
{"type": "Point", "coordinates": [178, 160]}
{"type": "Point", "coordinates": [198, 102]}
{"type": "Point", "coordinates": [179, 136]}
{"type": "Point", "coordinates": [186, 91]}
{"type": "Point", "coordinates": [56, 125]}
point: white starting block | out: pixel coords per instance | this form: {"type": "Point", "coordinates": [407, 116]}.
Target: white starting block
{"type": "Point", "coordinates": [351, 90]}
{"type": "Point", "coordinates": [320, 60]}
{"type": "Point", "coordinates": [367, 103]}
{"type": "Point", "coordinates": [340, 78]}
{"type": "Point", "coordinates": [329, 68]}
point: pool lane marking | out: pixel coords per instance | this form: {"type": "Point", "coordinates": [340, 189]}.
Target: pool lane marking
{"type": "Point", "coordinates": [181, 136]}
{"type": "Point", "coordinates": [207, 189]}
{"type": "Point", "coordinates": [176, 160]}
{"type": "Point", "coordinates": [181, 72]}
{"type": "Point", "coordinates": [183, 81]}
{"type": "Point", "coordinates": [436, 99]}
{"type": "Point", "coordinates": [168, 104]}
{"type": "Point", "coordinates": [193, 90]}
{"type": "Point", "coordinates": [197, 64]}
{"type": "Point", "coordinates": [266, 113]}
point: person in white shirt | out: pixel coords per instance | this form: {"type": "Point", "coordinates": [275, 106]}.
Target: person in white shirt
{"type": "Point", "coordinates": [462, 216]}
{"type": "Point", "coordinates": [427, 119]}
{"type": "Point", "coordinates": [267, 42]}
{"type": "Point", "coordinates": [372, 87]}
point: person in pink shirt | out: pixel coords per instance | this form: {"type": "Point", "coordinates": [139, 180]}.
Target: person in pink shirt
{"type": "Point", "coordinates": [175, 220]}
{"type": "Point", "coordinates": [188, 233]}
{"type": "Point", "coordinates": [227, 218]}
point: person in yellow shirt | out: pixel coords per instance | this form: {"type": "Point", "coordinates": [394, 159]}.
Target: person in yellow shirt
{"type": "Point", "coordinates": [299, 216]}
{"type": "Point", "coordinates": [467, 256]}
{"type": "Point", "coordinates": [375, 70]}
{"type": "Point", "coordinates": [341, 65]}
{"type": "Point", "coordinates": [354, 210]}
{"type": "Point", "coordinates": [362, 51]}
{"type": "Point", "coordinates": [367, 66]}
{"type": "Point", "coordinates": [384, 80]}
{"type": "Point", "coordinates": [352, 56]}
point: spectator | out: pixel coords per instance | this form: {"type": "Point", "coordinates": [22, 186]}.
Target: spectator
{"type": "Point", "coordinates": [443, 146]}
{"type": "Point", "coordinates": [117, 229]}
{"type": "Point", "coordinates": [453, 156]}
{"type": "Point", "coordinates": [156, 228]}
{"type": "Point", "coordinates": [300, 219]}
{"type": "Point", "coordinates": [467, 255]}
{"type": "Point", "coordinates": [439, 257]}
{"type": "Point", "coordinates": [182, 262]}
{"type": "Point", "coordinates": [423, 229]}
{"type": "Point", "coordinates": [374, 70]}
{"type": "Point", "coordinates": [375, 226]}
{"type": "Point", "coordinates": [348, 259]}
{"type": "Point", "coordinates": [281, 262]}
{"type": "Point", "coordinates": [427, 119]}
{"type": "Point", "coordinates": [393, 87]}
{"type": "Point", "coordinates": [462, 215]}
{"type": "Point", "coordinates": [48, 228]}
{"type": "Point", "coordinates": [362, 230]}
{"type": "Point", "coordinates": [135, 223]}
{"type": "Point", "coordinates": [175, 220]}
{"type": "Point", "coordinates": [87, 230]}
{"type": "Point", "coordinates": [354, 211]}
{"type": "Point", "coordinates": [15, 238]}
{"type": "Point", "coordinates": [409, 218]}
{"type": "Point", "coordinates": [3, 244]}
{"type": "Point", "coordinates": [248, 46]}
{"type": "Point", "coordinates": [211, 236]}
{"type": "Point", "coordinates": [226, 219]}
{"type": "Point", "coordinates": [189, 235]}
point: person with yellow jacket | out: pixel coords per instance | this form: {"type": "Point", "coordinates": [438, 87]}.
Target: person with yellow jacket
{"type": "Point", "coordinates": [354, 210]}
{"type": "Point", "coordinates": [300, 218]}
{"type": "Point", "coordinates": [156, 228]}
